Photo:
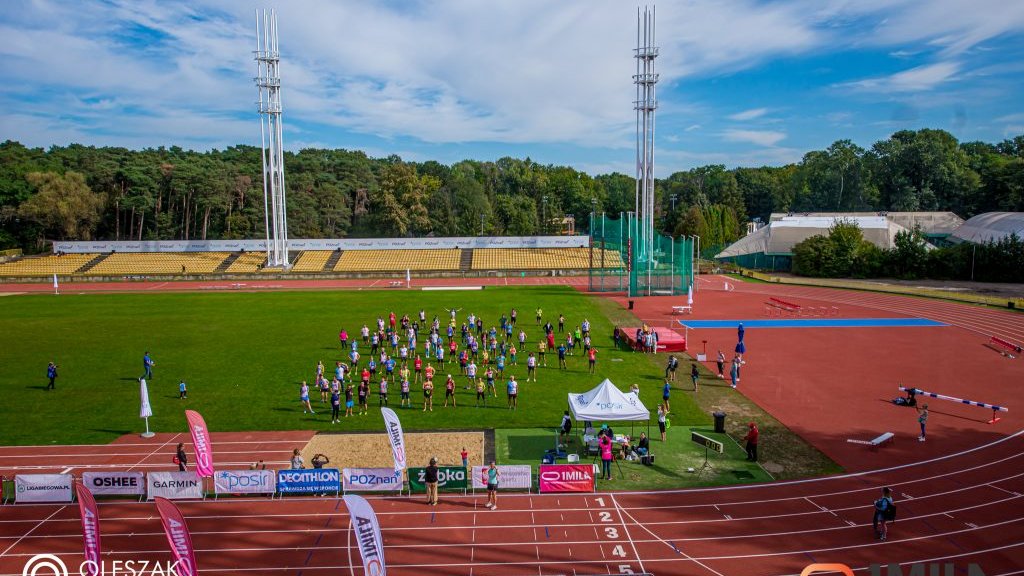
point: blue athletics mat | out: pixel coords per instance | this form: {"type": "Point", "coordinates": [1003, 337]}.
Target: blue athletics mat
{"type": "Point", "coordinates": [814, 323]}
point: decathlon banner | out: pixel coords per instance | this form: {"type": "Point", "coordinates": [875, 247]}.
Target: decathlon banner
{"type": "Point", "coordinates": [43, 487]}
{"type": "Point", "coordinates": [178, 537]}
{"type": "Point", "coordinates": [90, 530]}
{"type": "Point", "coordinates": [371, 544]}
{"type": "Point", "coordinates": [115, 483]}
{"type": "Point", "coordinates": [566, 478]}
{"type": "Point", "coordinates": [518, 477]}
{"type": "Point", "coordinates": [173, 485]}
{"type": "Point", "coordinates": [395, 437]}
{"type": "Point", "coordinates": [371, 480]}
{"type": "Point", "coordinates": [320, 480]}
{"type": "Point", "coordinates": [245, 482]}
{"type": "Point", "coordinates": [448, 478]}
{"type": "Point", "coordinates": [201, 443]}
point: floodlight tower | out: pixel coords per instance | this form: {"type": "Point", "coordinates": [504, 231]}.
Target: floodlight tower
{"type": "Point", "coordinates": [268, 82]}
{"type": "Point", "coordinates": [645, 104]}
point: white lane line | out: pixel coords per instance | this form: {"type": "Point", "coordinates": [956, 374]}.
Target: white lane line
{"type": "Point", "coordinates": [66, 470]}
{"type": "Point", "coordinates": [155, 450]}
{"type": "Point", "coordinates": [632, 545]}
{"type": "Point", "coordinates": [34, 528]}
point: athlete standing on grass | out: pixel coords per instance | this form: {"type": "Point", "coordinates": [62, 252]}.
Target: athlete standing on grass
{"type": "Point", "coordinates": [304, 398]}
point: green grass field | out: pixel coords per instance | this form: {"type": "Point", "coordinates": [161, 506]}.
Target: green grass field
{"type": "Point", "coordinates": [244, 354]}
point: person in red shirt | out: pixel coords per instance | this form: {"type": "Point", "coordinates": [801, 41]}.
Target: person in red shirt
{"type": "Point", "coordinates": [551, 340]}
{"type": "Point", "coordinates": [751, 440]}
{"type": "Point", "coordinates": [449, 392]}
{"type": "Point", "coordinates": [417, 366]}
{"type": "Point", "coordinates": [592, 358]}
{"type": "Point", "coordinates": [430, 372]}
{"type": "Point", "coordinates": [391, 319]}
{"type": "Point", "coordinates": [366, 376]}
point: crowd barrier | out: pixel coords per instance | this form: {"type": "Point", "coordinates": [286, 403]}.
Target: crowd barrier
{"type": "Point", "coordinates": [175, 485]}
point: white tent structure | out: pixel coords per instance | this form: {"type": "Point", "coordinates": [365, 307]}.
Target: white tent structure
{"type": "Point", "coordinates": [608, 403]}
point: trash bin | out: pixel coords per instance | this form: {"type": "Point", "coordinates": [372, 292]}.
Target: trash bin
{"type": "Point", "coordinates": [719, 422]}
{"type": "Point", "coordinates": [630, 304]}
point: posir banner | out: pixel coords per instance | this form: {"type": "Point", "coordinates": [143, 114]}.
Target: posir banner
{"type": "Point", "coordinates": [395, 437]}
{"type": "Point", "coordinates": [371, 544]}
{"type": "Point", "coordinates": [201, 443]}
{"type": "Point", "coordinates": [90, 530]}
{"type": "Point", "coordinates": [42, 487]}
{"type": "Point", "coordinates": [518, 477]}
{"type": "Point", "coordinates": [244, 482]}
{"type": "Point", "coordinates": [317, 480]}
{"type": "Point", "coordinates": [566, 478]}
{"type": "Point", "coordinates": [173, 485]}
{"type": "Point", "coordinates": [371, 480]}
{"type": "Point", "coordinates": [115, 483]}
{"type": "Point", "coordinates": [178, 537]}
{"type": "Point", "coordinates": [448, 478]}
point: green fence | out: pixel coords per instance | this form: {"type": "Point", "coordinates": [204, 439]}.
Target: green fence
{"type": "Point", "coordinates": [621, 261]}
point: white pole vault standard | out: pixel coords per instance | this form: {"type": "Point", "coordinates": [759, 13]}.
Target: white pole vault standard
{"type": "Point", "coordinates": [995, 408]}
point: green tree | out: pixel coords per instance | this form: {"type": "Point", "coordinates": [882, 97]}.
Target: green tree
{"type": "Point", "coordinates": [63, 205]}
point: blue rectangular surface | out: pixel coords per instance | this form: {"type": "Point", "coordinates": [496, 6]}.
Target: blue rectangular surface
{"type": "Point", "coordinates": [814, 323]}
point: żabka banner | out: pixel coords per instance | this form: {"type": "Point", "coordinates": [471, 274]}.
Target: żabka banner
{"type": "Point", "coordinates": [90, 530]}
{"type": "Point", "coordinates": [201, 443]}
{"type": "Point", "coordinates": [245, 482]}
{"type": "Point", "coordinates": [178, 537]}
{"type": "Point", "coordinates": [367, 529]}
{"type": "Point", "coordinates": [518, 477]}
{"type": "Point", "coordinates": [115, 483]}
{"type": "Point", "coordinates": [395, 437]}
{"type": "Point", "coordinates": [566, 478]}
{"type": "Point", "coordinates": [371, 480]}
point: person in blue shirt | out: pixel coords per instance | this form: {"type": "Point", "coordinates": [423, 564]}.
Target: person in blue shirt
{"type": "Point", "coordinates": [51, 373]}
{"type": "Point", "coordinates": [147, 365]}
{"type": "Point", "coordinates": [492, 486]}
{"type": "Point", "coordinates": [884, 512]}
{"type": "Point", "coordinates": [665, 392]}
{"type": "Point", "coordinates": [513, 393]}
{"type": "Point", "coordinates": [182, 391]}
{"type": "Point", "coordinates": [561, 357]}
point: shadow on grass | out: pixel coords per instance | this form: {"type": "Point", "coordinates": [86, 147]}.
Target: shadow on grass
{"type": "Point", "coordinates": [135, 379]}
{"type": "Point", "coordinates": [109, 431]}
{"type": "Point", "coordinates": [39, 387]}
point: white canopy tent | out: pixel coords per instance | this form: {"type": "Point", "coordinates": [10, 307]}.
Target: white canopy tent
{"type": "Point", "coordinates": [607, 403]}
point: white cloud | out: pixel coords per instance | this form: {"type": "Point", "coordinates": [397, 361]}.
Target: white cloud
{"type": "Point", "coordinates": [918, 79]}
{"type": "Point", "coordinates": [759, 137]}
{"type": "Point", "coordinates": [748, 114]}
{"type": "Point", "coordinates": [692, 127]}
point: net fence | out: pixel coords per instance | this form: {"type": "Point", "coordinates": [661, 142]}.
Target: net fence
{"type": "Point", "coordinates": [622, 262]}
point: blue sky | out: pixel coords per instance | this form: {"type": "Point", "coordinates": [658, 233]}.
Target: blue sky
{"type": "Point", "coordinates": [743, 82]}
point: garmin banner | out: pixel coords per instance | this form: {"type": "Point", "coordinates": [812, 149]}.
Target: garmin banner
{"type": "Point", "coordinates": [326, 244]}
{"type": "Point", "coordinates": [317, 480]}
{"type": "Point", "coordinates": [518, 477]}
{"type": "Point", "coordinates": [173, 485]}
{"type": "Point", "coordinates": [43, 487]}
{"type": "Point", "coordinates": [115, 483]}
{"type": "Point", "coordinates": [371, 480]}
{"type": "Point", "coordinates": [448, 478]}
{"type": "Point", "coordinates": [244, 482]}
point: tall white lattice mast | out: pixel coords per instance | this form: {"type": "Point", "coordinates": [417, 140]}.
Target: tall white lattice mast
{"type": "Point", "coordinates": [268, 82]}
{"type": "Point", "coordinates": [645, 104]}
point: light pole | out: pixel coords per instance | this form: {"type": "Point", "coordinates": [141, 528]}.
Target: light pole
{"type": "Point", "coordinates": [481, 223]}
{"type": "Point", "coordinates": [544, 215]}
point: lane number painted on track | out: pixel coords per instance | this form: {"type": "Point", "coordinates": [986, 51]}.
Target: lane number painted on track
{"type": "Point", "coordinates": [625, 569]}
{"type": "Point", "coordinates": [600, 502]}
{"type": "Point", "coordinates": [611, 533]}
{"type": "Point", "coordinates": [618, 551]}
{"type": "Point", "coordinates": [605, 516]}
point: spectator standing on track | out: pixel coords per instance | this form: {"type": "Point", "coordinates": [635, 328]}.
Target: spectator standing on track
{"type": "Point", "coordinates": [51, 373]}
{"type": "Point", "coordinates": [662, 425]}
{"type": "Point", "coordinates": [734, 373]}
{"type": "Point", "coordinates": [694, 375]}
{"type": "Point", "coordinates": [147, 366]}
{"type": "Point", "coordinates": [721, 364]}
{"type": "Point", "coordinates": [180, 458]}
{"type": "Point", "coordinates": [430, 479]}
{"type": "Point", "coordinates": [493, 476]}
{"type": "Point", "coordinates": [297, 462]}
{"type": "Point", "coordinates": [922, 419]}
{"type": "Point", "coordinates": [885, 510]}
{"type": "Point", "coordinates": [751, 440]}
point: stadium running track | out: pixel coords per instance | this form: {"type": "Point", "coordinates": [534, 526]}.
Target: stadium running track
{"type": "Point", "coordinates": [962, 507]}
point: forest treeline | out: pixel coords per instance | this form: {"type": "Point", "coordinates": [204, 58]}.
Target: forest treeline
{"type": "Point", "coordinates": [80, 192]}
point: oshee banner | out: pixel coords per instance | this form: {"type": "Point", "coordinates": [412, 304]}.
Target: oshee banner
{"type": "Point", "coordinates": [90, 530]}
{"type": "Point", "coordinates": [244, 482]}
{"type": "Point", "coordinates": [371, 480]}
{"type": "Point", "coordinates": [448, 478]}
{"type": "Point", "coordinates": [395, 437]}
{"type": "Point", "coordinates": [201, 443]}
{"type": "Point", "coordinates": [115, 483]}
{"type": "Point", "coordinates": [371, 544]}
{"type": "Point", "coordinates": [43, 487]}
{"type": "Point", "coordinates": [173, 485]}
{"type": "Point", "coordinates": [519, 477]}
{"type": "Point", "coordinates": [308, 481]}
{"type": "Point", "coordinates": [178, 537]}
{"type": "Point", "coordinates": [566, 478]}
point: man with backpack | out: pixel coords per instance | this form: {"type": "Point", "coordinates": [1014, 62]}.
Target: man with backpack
{"type": "Point", "coordinates": [885, 512]}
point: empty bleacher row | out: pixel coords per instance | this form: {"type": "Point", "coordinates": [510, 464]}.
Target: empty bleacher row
{"type": "Point", "coordinates": [122, 264]}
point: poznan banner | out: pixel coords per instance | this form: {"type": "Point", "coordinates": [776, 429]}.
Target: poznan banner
{"type": "Point", "coordinates": [178, 537]}
{"type": "Point", "coordinates": [201, 443]}
{"type": "Point", "coordinates": [371, 480]}
{"type": "Point", "coordinates": [367, 532]}
{"type": "Point", "coordinates": [90, 530]}
{"type": "Point", "coordinates": [395, 437]}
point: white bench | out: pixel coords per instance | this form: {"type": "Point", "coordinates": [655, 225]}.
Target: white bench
{"type": "Point", "coordinates": [682, 309]}
{"type": "Point", "coordinates": [882, 439]}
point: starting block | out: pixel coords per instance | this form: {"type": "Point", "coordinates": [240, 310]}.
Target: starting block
{"type": "Point", "coordinates": [682, 309]}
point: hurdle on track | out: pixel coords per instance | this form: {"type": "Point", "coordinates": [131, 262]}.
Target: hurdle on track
{"type": "Point", "coordinates": [1005, 348]}
{"type": "Point", "coordinates": [995, 409]}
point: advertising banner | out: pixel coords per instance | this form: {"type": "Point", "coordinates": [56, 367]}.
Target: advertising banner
{"type": "Point", "coordinates": [115, 483]}
{"type": "Point", "coordinates": [245, 482]}
{"type": "Point", "coordinates": [519, 477]}
{"type": "Point", "coordinates": [201, 443]}
{"type": "Point", "coordinates": [566, 478]}
{"type": "Point", "coordinates": [395, 437]}
{"type": "Point", "coordinates": [178, 537]}
{"type": "Point", "coordinates": [317, 480]}
{"type": "Point", "coordinates": [367, 532]}
{"type": "Point", "coordinates": [173, 485]}
{"type": "Point", "coordinates": [90, 530]}
{"type": "Point", "coordinates": [448, 478]}
{"type": "Point", "coordinates": [43, 487]}
{"type": "Point", "coordinates": [371, 480]}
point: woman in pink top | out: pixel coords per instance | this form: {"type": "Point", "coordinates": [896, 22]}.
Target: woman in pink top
{"type": "Point", "coordinates": [605, 445]}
